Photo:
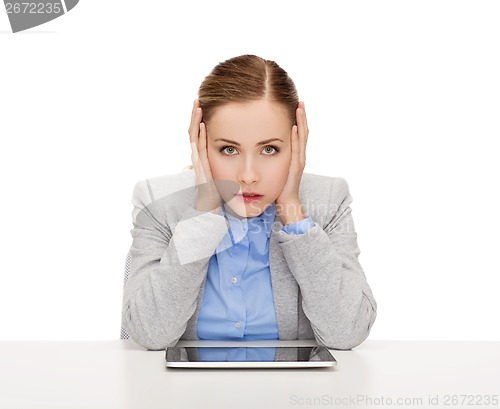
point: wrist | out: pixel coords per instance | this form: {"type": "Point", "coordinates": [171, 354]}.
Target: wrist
{"type": "Point", "coordinates": [290, 213]}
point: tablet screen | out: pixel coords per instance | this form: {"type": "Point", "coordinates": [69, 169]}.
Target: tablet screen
{"type": "Point", "coordinates": [249, 356]}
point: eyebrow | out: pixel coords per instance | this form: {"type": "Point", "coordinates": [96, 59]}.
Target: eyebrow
{"type": "Point", "coordinates": [257, 144]}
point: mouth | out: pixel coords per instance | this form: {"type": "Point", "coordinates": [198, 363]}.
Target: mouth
{"type": "Point", "coordinates": [249, 197]}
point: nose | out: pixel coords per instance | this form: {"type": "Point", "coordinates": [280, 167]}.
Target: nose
{"type": "Point", "coordinates": [248, 172]}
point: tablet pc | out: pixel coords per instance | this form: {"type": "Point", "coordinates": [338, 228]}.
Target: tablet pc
{"type": "Point", "coordinates": [249, 357]}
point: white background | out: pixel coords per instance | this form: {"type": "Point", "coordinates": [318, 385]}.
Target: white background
{"type": "Point", "coordinates": [402, 100]}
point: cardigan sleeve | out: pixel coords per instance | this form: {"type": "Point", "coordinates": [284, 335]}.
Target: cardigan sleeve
{"type": "Point", "coordinates": [336, 297]}
{"type": "Point", "coordinates": [167, 270]}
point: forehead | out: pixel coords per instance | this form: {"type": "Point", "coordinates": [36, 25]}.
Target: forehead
{"type": "Point", "coordinates": [249, 121]}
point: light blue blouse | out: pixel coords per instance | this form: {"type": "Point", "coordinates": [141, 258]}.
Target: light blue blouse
{"type": "Point", "coordinates": [238, 300]}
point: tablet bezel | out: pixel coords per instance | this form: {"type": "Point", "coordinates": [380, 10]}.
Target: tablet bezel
{"type": "Point", "coordinates": [250, 364]}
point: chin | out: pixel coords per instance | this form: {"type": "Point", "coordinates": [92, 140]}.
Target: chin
{"type": "Point", "coordinates": [239, 208]}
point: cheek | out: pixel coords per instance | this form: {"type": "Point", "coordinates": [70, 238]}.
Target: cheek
{"type": "Point", "coordinates": [279, 169]}
{"type": "Point", "coordinates": [282, 176]}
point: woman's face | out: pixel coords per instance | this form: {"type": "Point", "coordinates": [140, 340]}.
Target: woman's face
{"type": "Point", "coordinates": [249, 144]}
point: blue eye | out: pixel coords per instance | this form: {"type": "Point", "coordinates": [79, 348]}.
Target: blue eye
{"type": "Point", "coordinates": [276, 150]}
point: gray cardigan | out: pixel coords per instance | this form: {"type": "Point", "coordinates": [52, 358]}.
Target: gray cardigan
{"type": "Point", "coordinates": [320, 289]}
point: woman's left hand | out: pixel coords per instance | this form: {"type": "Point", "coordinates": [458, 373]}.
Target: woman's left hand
{"type": "Point", "coordinates": [288, 200]}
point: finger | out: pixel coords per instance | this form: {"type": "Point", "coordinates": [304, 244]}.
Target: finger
{"type": "Point", "coordinates": [195, 125]}
{"type": "Point", "coordinates": [202, 143]}
{"type": "Point", "coordinates": [295, 147]}
{"type": "Point", "coordinates": [301, 122]}
{"type": "Point", "coordinates": [195, 105]}
{"type": "Point", "coordinates": [195, 155]}
{"type": "Point", "coordinates": [302, 141]}
{"type": "Point", "coordinates": [298, 114]}
{"type": "Point", "coordinates": [305, 119]}
{"type": "Point", "coordinates": [194, 137]}
{"type": "Point", "coordinates": [193, 111]}
{"type": "Point", "coordinates": [298, 140]}
{"type": "Point", "coordinates": [195, 158]}
{"type": "Point", "coordinates": [202, 151]}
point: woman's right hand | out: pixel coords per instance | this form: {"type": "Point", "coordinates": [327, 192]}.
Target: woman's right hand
{"type": "Point", "coordinates": [208, 199]}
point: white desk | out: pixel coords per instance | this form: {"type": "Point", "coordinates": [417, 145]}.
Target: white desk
{"type": "Point", "coordinates": [121, 374]}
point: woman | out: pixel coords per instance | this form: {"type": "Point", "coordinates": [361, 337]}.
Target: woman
{"type": "Point", "coordinates": [245, 245]}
